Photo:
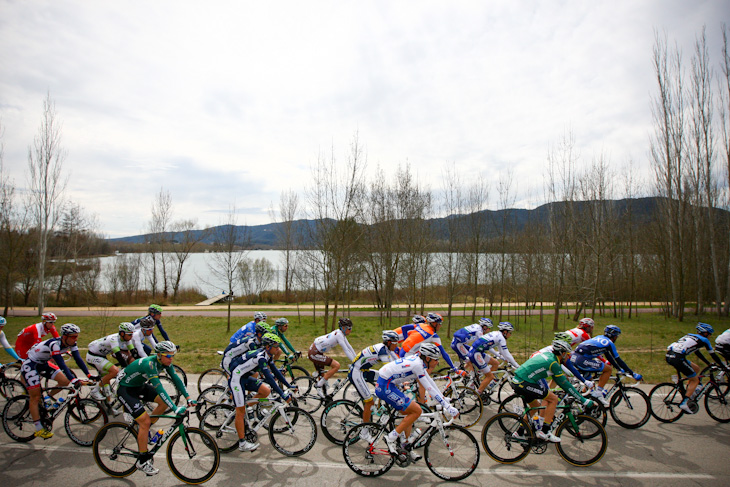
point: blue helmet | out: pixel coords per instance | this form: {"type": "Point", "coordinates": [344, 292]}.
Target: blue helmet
{"type": "Point", "coordinates": [705, 328]}
{"type": "Point", "coordinates": [612, 331]}
{"type": "Point", "coordinates": [2, 321]}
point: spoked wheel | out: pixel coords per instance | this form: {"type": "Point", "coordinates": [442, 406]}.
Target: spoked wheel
{"type": "Point", "coordinates": [453, 456]}
{"type": "Point", "coordinates": [17, 422]}
{"type": "Point", "coordinates": [338, 418]}
{"type": "Point", "coordinates": [115, 449]}
{"type": "Point", "coordinates": [513, 404]}
{"type": "Point", "coordinates": [293, 433]}
{"type": "Point", "coordinates": [371, 457]}
{"type": "Point", "coordinates": [195, 458]}
{"type": "Point", "coordinates": [212, 377]}
{"type": "Point", "coordinates": [469, 404]}
{"type": "Point", "coordinates": [10, 388]}
{"type": "Point", "coordinates": [218, 421]}
{"type": "Point", "coordinates": [630, 407]}
{"type": "Point", "coordinates": [83, 421]}
{"type": "Point", "coordinates": [210, 397]}
{"type": "Point", "coordinates": [717, 402]}
{"type": "Point", "coordinates": [507, 438]}
{"type": "Point", "coordinates": [582, 445]}
{"type": "Point", "coordinates": [180, 373]}
{"type": "Point", "coordinates": [306, 396]}
{"type": "Point", "coordinates": [665, 399]}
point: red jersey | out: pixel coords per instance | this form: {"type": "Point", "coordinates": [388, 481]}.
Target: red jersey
{"type": "Point", "coordinates": [30, 336]}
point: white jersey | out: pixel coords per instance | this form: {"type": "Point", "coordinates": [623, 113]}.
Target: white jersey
{"type": "Point", "coordinates": [372, 355]}
{"type": "Point", "coordinates": [331, 340]}
{"type": "Point", "coordinates": [578, 335]}
{"type": "Point", "coordinates": [499, 345]}
{"type": "Point", "coordinates": [137, 338]}
{"type": "Point", "coordinates": [43, 351]}
{"type": "Point", "coordinates": [412, 368]}
{"type": "Point", "coordinates": [109, 344]}
{"type": "Point", "coordinates": [723, 338]}
{"type": "Point", "coordinates": [4, 341]}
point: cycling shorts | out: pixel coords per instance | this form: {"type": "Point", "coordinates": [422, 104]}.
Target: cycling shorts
{"type": "Point", "coordinates": [531, 391]}
{"type": "Point", "coordinates": [102, 364]}
{"type": "Point", "coordinates": [679, 361]}
{"type": "Point", "coordinates": [392, 395]}
{"type": "Point", "coordinates": [360, 379]}
{"type": "Point", "coordinates": [246, 382]}
{"type": "Point", "coordinates": [723, 350]}
{"type": "Point", "coordinates": [481, 361]}
{"type": "Point", "coordinates": [461, 349]}
{"type": "Point", "coordinates": [134, 398]}
{"type": "Point", "coordinates": [588, 364]}
{"type": "Point", "coordinates": [33, 371]}
{"type": "Point", "coordinates": [319, 359]}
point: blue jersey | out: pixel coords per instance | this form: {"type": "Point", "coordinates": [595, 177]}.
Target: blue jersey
{"type": "Point", "coordinates": [246, 331]}
{"type": "Point", "coordinates": [594, 348]}
{"type": "Point", "coordinates": [468, 334]}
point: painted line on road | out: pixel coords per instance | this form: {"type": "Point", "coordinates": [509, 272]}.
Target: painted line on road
{"type": "Point", "coordinates": [341, 466]}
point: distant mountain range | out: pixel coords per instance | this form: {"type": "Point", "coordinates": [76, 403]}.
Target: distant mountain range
{"type": "Point", "coordinates": [265, 236]}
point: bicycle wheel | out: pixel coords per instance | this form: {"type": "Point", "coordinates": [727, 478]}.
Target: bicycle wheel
{"type": "Point", "coordinates": [12, 371]}
{"type": "Point", "coordinates": [583, 445]}
{"type": "Point", "coordinates": [664, 400]}
{"type": "Point", "coordinates": [337, 419]}
{"type": "Point", "coordinates": [293, 433]}
{"type": "Point", "coordinates": [717, 402]}
{"type": "Point", "coordinates": [513, 404]}
{"type": "Point", "coordinates": [453, 456]}
{"type": "Point", "coordinates": [10, 388]}
{"type": "Point", "coordinates": [83, 420]}
{"type": "Point", "coordinates": [366, 458]}
{"type": "Point", "coordinates": [180, 373]}
{"type": "Point", "coordinates": [115, 449]}
{"type": "Point", "coordinates": [17, 422]}
{"type": "Point", "coordinates": [210, 397]}
{"type": "Point", "coordinates": [195, 458]}
{"type": "Point", "coordinates": [469, 404]}
{"type": "Point", "coordinates": [218, 421]}
{"type": "Point", "coordinates": [307, 396]}
{"type": "Point", "coordinates": [504, 391]}
{"type": "Point", "coordinates": [299, 371]}
{"type": "Point", "coordinates": [630, 407]}
{"type": "Point", "coordinates": [212, 377]}
{"type": "Point", "coordinates": [507, 438]}
{"type": "Point", "coordinates": [350, 393]}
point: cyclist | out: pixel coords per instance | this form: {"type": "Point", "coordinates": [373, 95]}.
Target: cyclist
{"type": "Point", "coordinates": [327, 342]}
{"type": "Point", "coordinates": [587, 359]}
{"type": "Point", "coordinates": [280, 327]}
{"type": "Point", "coordinates": [144, 332]}
{"type": "Point", "coordinates": [140, 382]}
{"type": "Point", "coordinates": [426, 333]}
{"type": "Point", "coordinates": [722, 344]}
{"type": "Point", "coordinates": [154, 312]}
{"type": "Point", "coordinates": [242, 369]}
{"type": "Point", "coordinates": [411, 367]}
{"type": "Point", "coordinates": [360, 374]}
{"type": "Point", "coordinates": [37, 364]}
{"type": "Point", "coordinates": [530, 382]}
{"type": "Point", "coordinates": [582, 332]}
{"type": "Point", "coordinates": [246, 344]}
{"type": "Point", "coordinates": [678, 352]}
{"type": "Point", "coordinates": [465, 337]}
{"type": "Point", "coordinates": [249, 329]}
{"type": "Point", "coordinates": [567, 365]}
{"type": "Point", "coordinates": [4, 341]}
{"type": "Point", "coordinates": [33, 334]}
{"type": "Point", "coordinates": [99, 349]}
{"type": "Point", "coordinates": [494, 342]}
{"type": "Point", "coordinates": [406, 329]}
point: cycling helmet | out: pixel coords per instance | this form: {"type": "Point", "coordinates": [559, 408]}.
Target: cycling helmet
{"type": "Point", "coordinates": [561, 347]}
{"type": "Point", "coordinates": [262, 328]}
{"type": "Point", "coordinates": [390, 336]}
{"type": "Point", "coordinates": [434, 318]}
{"type": "Point", "coordinates": [70, 329]}
{"type": "Point", "coordinates": [564, 336]}
{"type": "Point", "coordinates": [126, 327]}
{"type": "Point", "coordinates": [281, 322]}
{"type": "Point", "coordinates": [154, 309]}
{"type": "Point", "coordinates": [506, 326]}
{"type": "Point", "coordinates": [147, 322]}
{"type": "Point", "coordinates": [418, 319]}
{"type": "Point", "coordinates": [586, 324]}
{"type": "Point", "coordinates": [705, 328]}
{"type": "Point", "coordinates": [486, 322]}
{"type": "Point", "coordinates": [612, 331]}
{"type": "Point", "coordinates": [259, 315]}
{"type": "Point", "coordinates": [3, 322]}
{"type": "Point", "coordinates": [345, 323]}
{"type": "Point", "coordinates": [430, 350]}
{"type": "Point", "coordinates": [49, 317]}
{"type": "Point", "coordinates": [269, 339]}
{"type": "Point", "coordinates": [165, 347]}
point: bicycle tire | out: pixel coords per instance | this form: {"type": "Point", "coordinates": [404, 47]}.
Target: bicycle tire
{"type": "Point", "coordinates": [573, 446]}
{"type": "Point", "coordinates": [368, 459]}
{"type": "Point", "coordinates": [83, 420]}
{"type": "Point", "coordinates": [514, 404]}
{"type": "Point", "coordinates": [10, 388]}
{"type": "Point", "coordinates": [306, 396]}
{"type": "Point", "coordinates": [115, 449]}
{"type": "Point", "coordinates": [664, 400]}
{"type": "Point", "coordinates": [505, 390]}
{"type": "Point", "coordinates": [17, 421]}
{"type": "Point", "coordinates": [507, 438]}
{"type": "Point", "coordinates": [294, 433]}
{"type": "Point", "coordinates": [599, 413]}
{"type": "Point", "coordinates": [469, 404]}
{"type": "Point", "coordinates": [12, 371]}
{"type": "Point", "coordinates": [302, 371]}
{"type": "Point", "coordinates": [717, 402]}
{"type": "Point", "coordinates": [630, 407]}
{"type": "Point", "coordinates": [210, 397]}
{"type": "Point", "coordinates": [338, 417]}
{"type": "Point", "coordinates": [212, 377]}
{"type": "Point", "coordinates": [218, 421]}
{"type": "Point", "coordinates": [350, 393]}
{"type": "Point", "coordinates": [453, 457]}
{"type": "Point", "coordinates": [203, 457]}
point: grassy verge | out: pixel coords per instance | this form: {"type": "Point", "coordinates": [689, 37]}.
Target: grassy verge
{"type": "Point", "coordinates": [641, 345]}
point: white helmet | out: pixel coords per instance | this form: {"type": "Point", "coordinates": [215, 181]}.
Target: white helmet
{"type": "Point", "coordinates": [506, 326]}
{"type": "Point", "coordinates": [259, 315]}
{"type": "Point", "coordinates": [430, 350]}
{"type": "Point", "coordinates": [70, 329]}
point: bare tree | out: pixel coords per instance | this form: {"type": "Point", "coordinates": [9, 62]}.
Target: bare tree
{"type": "Point", "coordinates": [477, 223]}
{"type": "Point", "coordinates": [185, 238]}
{"type": "Point", "coordinates": [287, 236]}
{"type": "Point", "coordinates": [724, 114]}
{"type": "Point", "coordinates": [158, 228]}
{"type": "Point", "coordinates": [47, 185]}
{"type": "Point", "coordinates": [256, 276]}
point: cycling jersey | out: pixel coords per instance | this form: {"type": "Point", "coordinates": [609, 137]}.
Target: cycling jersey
{"type": "Point", "coordinates": [43, 352]}
{"type": "Point", "coordinates": [109, 344]}
{"type": "Point", "coordinates": [143, 370]}
{"type": "Point", "coordinates": [237, 348]}
{"type": "Point", "coordinates": [364, 361]}
{"type": "Point", "coordinates": [138, 339]}
{"type": "Point", "coordinates": [419, 336]}
{"type": "Point", "coordinates": [723, 338]}
{"type": "Point", "coordinates": [495, 341]}
{"type": "Point", "coordinates": [7, 347]}
{"type": "Point", "coordinates": [690, 343]}
{"type": "Point", "coordinates": [331, 340]}
{"type": "Point", "coordinates": [464, 337]}
{"type": "Point", "coordinates": [158, 324]}
{"type": "Point", "coordinates": [402, 370]}
{"type": "Point", "coordinates": [254, 361]}
{"type": "Point", "coordinates": [542, 366]}
{"type": "Point", "coordinates": [286, 347]}
{"type": "Point", "coordinates": [31, 335]}
{"type": "Point", "coordinates": [587, 355]}
{"type": "Point", "coordinates": [579, 336]}
{"type": "Point", "coordinates": [246, 331]}
{"type": "Point", "coordinates": [567, 366]}
{"type": "Point", "coordinates": [404, 331]}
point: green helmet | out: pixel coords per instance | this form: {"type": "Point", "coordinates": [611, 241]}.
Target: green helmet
{"type": "Point", "coordinates": [126, 327]}
{"type": "Point", "coordinates": [155, 308]}
{"type": "Point", "coordinates": [270, 339]}
{"type": "Point", "coordinates": [563, 336]}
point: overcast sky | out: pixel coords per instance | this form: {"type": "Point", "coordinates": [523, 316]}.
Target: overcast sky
{"type": "Point", "coordinates": [232, 102]}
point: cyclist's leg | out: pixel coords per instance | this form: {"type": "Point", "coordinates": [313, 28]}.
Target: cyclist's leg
{"type": "Point", "coordinates": [133, 402]}
{"type": "Point", "coordinates": [693, 380]}
{"type": "Point", "coordinates": [357, 377]}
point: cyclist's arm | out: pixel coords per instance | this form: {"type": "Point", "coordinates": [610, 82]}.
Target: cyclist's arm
{"type": "Point", "coordinates": [279, 376]}
{"type": "Point", "coordinates": [7, 346]}
{"type": "Point", "coordinates": [702, 357]}
{"type": "Point", "coordinates": [612, 355]}
{"type": "Point", "coordinates": [349, 351]}
{"type": "Point", "coordinates": [288, 347]}
{"type": "Point", "coordinates": [564, 383]}
{"type": "Point", "coordinates": [162, 331]}
{"type": "Point", "coordinates": [177, 381]}
{"type": "Point", "coordinates": [80, 362]}
{"type": "Point", "coordinates": [574, 370]}
{"type": "Point", "coordinates": [269, 379]}
{"type": "Point", "coordinates": [54, 332]}
{"type": "Point", "coordinates": [58, 358]}
{"type": "Point", "coordinates": [446, 357]}
{"type": "Point", "coordinates": [155, 381]}
{"type": "Point", "coordinates": [504, 352]}
{"type": "Point", "coordinates": [430, 386]}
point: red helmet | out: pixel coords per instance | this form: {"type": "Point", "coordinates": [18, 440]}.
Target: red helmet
{"type": "Point", "coordinates": [49, 317]}
{"type": "Point", "coordinates": [586, 324]}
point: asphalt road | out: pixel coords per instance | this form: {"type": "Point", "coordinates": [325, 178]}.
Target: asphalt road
{"type": "Point", "coordinates": [693, 451]}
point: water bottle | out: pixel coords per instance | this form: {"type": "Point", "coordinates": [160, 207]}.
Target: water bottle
{"type": "Point", "coordinates": [48, 401]}
{"type": "Point", "coordinates": [59, 403]}
{"type": "Point", "coordinates": [155, 438]}
{"type": "Point", "coordinates": [414, 435]}
{"type": "Point", "coordinates": [697, 391]}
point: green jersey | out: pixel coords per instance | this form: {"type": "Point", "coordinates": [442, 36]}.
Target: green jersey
{"type": "Point", "coordinates": [286, 347]}
{"type": "Point", "coordinates": [147, 369]}
{"type": "Point", "coordinates": [542, 366]}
